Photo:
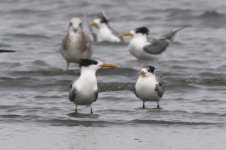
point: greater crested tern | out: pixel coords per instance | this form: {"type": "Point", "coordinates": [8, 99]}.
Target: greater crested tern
{"type": "Point", "coordinates": [105, 33]}
{"type": "Point", "coordinates": [142, 47]}
{"type": "Point", "coordinates": [149, 87]}
{"type": "Point", "coordinates": [84, 91]}
{"type": "Point", "coordinates": [76, 45]}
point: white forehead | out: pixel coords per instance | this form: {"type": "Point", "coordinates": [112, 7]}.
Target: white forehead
{"type": "Point", "coordinates": [144, 69]}
{"type": "Point", "coordinates": [133, 32]}
{"type": "Point", "coordinates": [76, 21]}
{"type": "Point", "coordinates": [97, 20]}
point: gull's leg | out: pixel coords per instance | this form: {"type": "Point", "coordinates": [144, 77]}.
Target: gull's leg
{"type": "Point", "coordinates": [76, 110]}
{"type": "Point", "coordinates": [91, 110]}
{"type": "Point", "coordinates": [67, 65]}
{"type": "Point", "coordinates": [143, 105]}
{"type": "Point", "coordinates": [158, 106]}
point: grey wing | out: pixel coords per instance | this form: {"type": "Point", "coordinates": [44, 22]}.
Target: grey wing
{"type": "Point", "coordinates": [159, 87]}
{"type": "Point", "coordinates": [156, 47]}
{"type": "Point", "coordinates": [72, 94]}
{"type": "Point", "coordinates": [170, 35]}
{"type": "Point", "coordinates": [86, 43]}
{"type": "Point", "coordinates": [65, 43]}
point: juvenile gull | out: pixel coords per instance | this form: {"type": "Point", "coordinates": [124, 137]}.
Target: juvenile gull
{"type": "Point", "coordinates": [76, 45]}
{"type": "Point", "coordinates": [84, 91]}
{"type": "Point", "coordinates": [149, 87]}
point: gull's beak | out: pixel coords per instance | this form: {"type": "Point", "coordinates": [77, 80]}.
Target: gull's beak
{"type": "Point", "coordinates": [106, 65]}
{"type": "Point", "coordinates": [125, 34]}
{"type": "Point", "coordinates": [141, 73]}
{"type": "Point", "coordinates": [93, 24]}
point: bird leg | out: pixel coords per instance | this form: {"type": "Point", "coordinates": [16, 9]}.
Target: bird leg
{"type": "Point", "coordinates": [67, 66]}
{"type": "Point", "coordinates": [143, 105]}
{"type": "Point", "coordinates": [91, 110]}
{"type": "Point", "coordinates": [76, 111]}
{"type": "Point", "coordinates": [158, 106]}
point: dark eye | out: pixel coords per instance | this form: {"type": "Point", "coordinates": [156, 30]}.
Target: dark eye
{"type": "Point", "coordinates": [80, 24]}
{"type": "Point", "coordinates": [70, 24]}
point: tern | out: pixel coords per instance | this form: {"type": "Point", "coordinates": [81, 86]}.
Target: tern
{"type": "Point", "coordinates": [142, 47]}
{"type": "Point", "coordinates": [84, 91]}
{"type": "Point", "coordinates": [149, 87]}
{"type": "Point", "coordinates": [76, 45]}
{"type": "Point", "coordinates": [105, 33]}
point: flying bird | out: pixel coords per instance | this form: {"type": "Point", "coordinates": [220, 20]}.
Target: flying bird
{"type": "Point", "coordinates": [149, 87]}
{"type": "Point", "coordinates": [84, 91]}
{"type": "Point", "coordinates": [76, 44]}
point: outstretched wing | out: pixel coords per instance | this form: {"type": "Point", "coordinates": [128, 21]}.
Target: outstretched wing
{"type": "Point", "coordinates": [156, 47]}
{"type": "Point", "coordinates": [159, 88]}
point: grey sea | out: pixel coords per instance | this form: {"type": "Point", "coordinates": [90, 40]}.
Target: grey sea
{"type": "Point", "coordinates": [35, 112]}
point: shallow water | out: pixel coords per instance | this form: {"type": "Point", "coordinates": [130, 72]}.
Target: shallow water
{"type": "Point", "coordinates": [35, 112]}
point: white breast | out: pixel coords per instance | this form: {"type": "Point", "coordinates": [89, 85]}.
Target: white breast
{"type": "Point", "coordinates": [105, 35]}
{"type": "Point", "coordinates": [145, 88]}
{"type": "Point", "coordinates": [85, 86]}
{"type": "Point", "coordinates": [136, 48]}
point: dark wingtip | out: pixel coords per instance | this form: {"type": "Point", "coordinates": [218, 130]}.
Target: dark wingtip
{"type": "Point", "coordinates": [6, 51]}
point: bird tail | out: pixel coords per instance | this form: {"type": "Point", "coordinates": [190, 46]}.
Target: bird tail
{"type": "Point", "coordinates": [181, 28]}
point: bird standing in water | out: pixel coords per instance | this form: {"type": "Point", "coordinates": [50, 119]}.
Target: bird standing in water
{"type": "Point", "coordinates": [149, 87]}
{"type": "Point", "coordinates": [143, 47]}
{"type": "Point", "coordinates": [76, 45]}
{"type": "Point", "coordinates": [84, 91]}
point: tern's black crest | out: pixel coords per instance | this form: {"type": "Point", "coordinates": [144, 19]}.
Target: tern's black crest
{"type": "Point", "coordinates": [87, 62]}
{"type": "Point", "coordinates": [103, 20]}
{"type": "Point", "coordinates": [142, 30]}
{"type": "Point", "coordinates": [151, 69]}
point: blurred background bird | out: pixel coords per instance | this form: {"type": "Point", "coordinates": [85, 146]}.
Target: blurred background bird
{"type": "Point", "coordinates": [105, 33]}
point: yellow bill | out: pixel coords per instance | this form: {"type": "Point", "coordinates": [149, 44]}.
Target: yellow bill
{"type": "Point", "coordinates": [106, 65]}
{"type": "Point", "coordinates": [142, 73]}
{"type": "Point", "coordinates": [94, 24]}
{"type": "Point", "coordinates": [125, 34]}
